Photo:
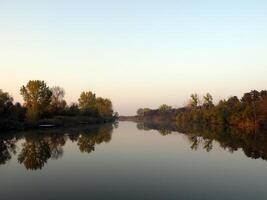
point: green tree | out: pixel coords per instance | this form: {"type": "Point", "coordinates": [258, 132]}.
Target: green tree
{"type": "Point", "coordinates": [87, 103]}
{"type": "Point", "coordinates": [37, 97]}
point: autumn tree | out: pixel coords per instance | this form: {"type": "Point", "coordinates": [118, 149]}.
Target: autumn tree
{"type": "Point", "coordinates": [37, 97]}
{"type": "Point", "coordinates": [87, 103]}
{"type": "Point", "coordinates": [104, 107]}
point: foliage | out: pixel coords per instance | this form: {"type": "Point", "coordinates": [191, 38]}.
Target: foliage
{"type": "Point", "coordinates": [87, 103]}
{"type": "Point", "coordinates": [104, 107]}
{"type": "Point", "coordinates": [249, 111]}
{"type": "Point", "coordinates": [37, 97]}
{"type": "Point", "coordinates": [42, 104]}
{"type": "Point", "coordinates": [11, 115]}
{"type": "Point", "coordinates": [91, 105]}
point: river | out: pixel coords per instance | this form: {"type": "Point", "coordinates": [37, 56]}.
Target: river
{"type": "Point", "coordinates": [132, 161]}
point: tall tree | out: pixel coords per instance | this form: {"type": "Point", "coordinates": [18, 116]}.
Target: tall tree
{"type": "Point", "coordinates": [37, 97]}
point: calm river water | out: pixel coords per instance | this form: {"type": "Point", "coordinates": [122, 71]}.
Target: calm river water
{"type": "Point", "coordinates": [133, 161]}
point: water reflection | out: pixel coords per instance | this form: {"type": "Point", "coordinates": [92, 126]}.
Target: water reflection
{"type": "Point", "coordinates": [7, 148]}
{"type": "Point", "coordinates": [253, 144]}
{"type": "Point", "coordinates": [35, 148]}
{"type": "Point", "coordinates": [39, 146]}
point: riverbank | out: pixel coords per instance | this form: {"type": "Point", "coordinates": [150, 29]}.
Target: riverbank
{"type": "Point", "coordinates": [57, 121]}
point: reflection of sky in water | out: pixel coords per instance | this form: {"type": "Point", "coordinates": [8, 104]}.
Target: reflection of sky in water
{"type": "Point", "coordinates": [137, 164]}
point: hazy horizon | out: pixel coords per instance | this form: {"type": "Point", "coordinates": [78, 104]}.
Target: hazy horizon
{"type": "Point", "coordinates": [138, 54]}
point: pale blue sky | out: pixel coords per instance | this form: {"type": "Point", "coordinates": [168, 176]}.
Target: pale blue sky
{"type": "Point", "coordinates": [137, 53]}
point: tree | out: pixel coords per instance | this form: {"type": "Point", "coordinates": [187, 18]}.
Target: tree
{"type": "Point", "coordinates": [263, 94]}
{"type": "Point", "coordinates": [104, 107]}
{"type": "Point", "coordinates": [37, 97]}
{"type": "Point", "coordinates": [58, 94]}
{"type": "Point", "coordinates": [250, 99]}
{"type": "Point", "coordinates": [208, 101]}
{"type": "Point", "coordinates": [73, 110]}
{"type": "Point", "coordinates": [11, 115]}
{"type": "Point", "coordinates": [87, 103]}
{"type": "Point", "coordinates": [5, 101]}
{"type": "Point", "coordinates": [164, 108]}
{"type": "Point", "coordinates": [233, 101]}
{"type": "Point", "coordinates": [58, 103]}
{"type": "Point", "coordinates": [140, 112]}
{"type": "Point", "coordinates": [194, 101]}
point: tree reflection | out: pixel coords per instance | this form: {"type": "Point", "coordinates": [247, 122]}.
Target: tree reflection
{"type": "Point", "coordinates": [7, 149]}
{"type": "Point", "coordinates": [88, 140]}
{"type": "Point", "coordinates": [56, 143]}
{"type": "Point", "coordinates": [34, 154]}
{"type": "Point", "coordinates": [39, 146]}
{"type": "Point", "coordinates": [253, 144]}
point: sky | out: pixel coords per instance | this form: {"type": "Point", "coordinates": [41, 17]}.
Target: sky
{"type": "Point", "coordinates": [140, 53]}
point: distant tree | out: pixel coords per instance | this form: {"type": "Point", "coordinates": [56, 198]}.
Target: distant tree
{"type": "Point", "coordinates": [37, 97]}
{"type": "Point", "coordinates": [250, 100]}
{"type": "Point", "coordinates": [147, 111]}
{"type": "Point", "coordinates": [233, 101]}
{"type": "Point", "coordinates": [263, 94]}
{"type": "Point", "coordinates": [194, 101]}
{"type": "Point", "coordinates": [208, 101]}
{"type": "Point", "coordinates": [164, 108]}
{"type": "Point", "coordinates": [140, 112]}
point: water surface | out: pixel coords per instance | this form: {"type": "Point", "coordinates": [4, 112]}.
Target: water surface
{"type": "Point", "coordinates": [132, 161]}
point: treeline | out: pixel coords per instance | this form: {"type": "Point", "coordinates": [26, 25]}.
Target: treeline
{"type": "Point", "coordinates": [43, 104]}
{"type": "Point", "coordinates": [249, 111]}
